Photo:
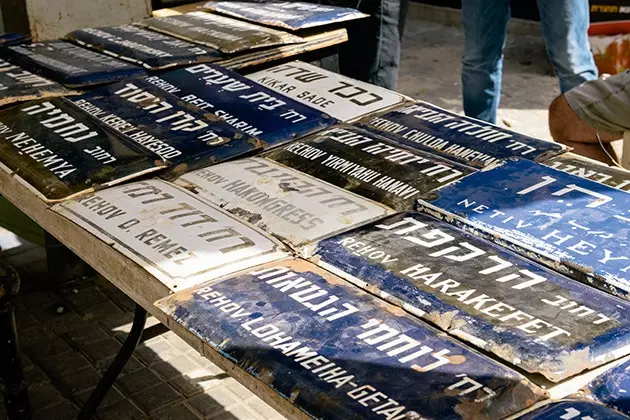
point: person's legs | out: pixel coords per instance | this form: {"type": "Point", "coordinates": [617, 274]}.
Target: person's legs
{"type": "Point", "coordinates": [485, 25]}
{"type": "Point", "coordinates": [564, 25]}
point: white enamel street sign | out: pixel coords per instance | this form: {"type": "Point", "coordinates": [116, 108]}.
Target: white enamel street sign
{"type": "Point", "coordinates": [178, 238]}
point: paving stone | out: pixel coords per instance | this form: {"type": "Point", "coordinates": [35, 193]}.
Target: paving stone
{"type": "Point", "coordinates": [65, 410]}
{"type": "Point", "coordinates": [212, 401]}
{"type": "Point", "coordinates": [34, 374]}
{"type": "Point", "coordinates": [237, 389]}
{"type": "Point", "coordinates": [101, 349]}
{"type": "Point", "coordinates": [24, 319]}
{"type": "Point", "coordinates": [182, 365]}
{"type": "Point", "coordinates": [137, 381]}
{"type": "Point", "coordinates": [34, 334]}
{"type": "Point", "coordinates": [132, 365]}
{"type": "Point", "coordinates": [39, 299]}
{"type": "Point", "coordinates": [240, 412]}
{"type": "Point", "coordinates": [63, 365]}
{"type": "Point", "coordinates": [151, 400]}
{"type": "Point", "coordinates": [152, 351]}
{"type": "Point", "coordinates": [263, 409]}
{"type": "Point", "coordinates": [113, 397]}
{"type": "Point", "coordinates": [190, 386]}
{"type": "Point", "coordinates": [87, 334]}
{"type": "Point", "coordinates": [85, 297]}
{"type": "Point", "coordinates": [47, 347]}
{"type": "Point", "coordinates": [65, 322]}
{"type": "Point", "coordinates": [177, 412]}
{"type": "Point", "coordinates": [82, 379]}
{"type": "Point", "coordinates": [44, 395]}
{"type": "Point", "coordinates": [101, 310]}
{"type": "Point", "coordinates": [123, 410]}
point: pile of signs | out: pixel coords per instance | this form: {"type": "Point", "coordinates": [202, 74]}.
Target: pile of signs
{"type": "Point", "coordinates": [363, 254]}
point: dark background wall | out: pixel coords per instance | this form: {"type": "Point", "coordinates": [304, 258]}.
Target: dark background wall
{"type": "Point", "coordinates": [524, 9]}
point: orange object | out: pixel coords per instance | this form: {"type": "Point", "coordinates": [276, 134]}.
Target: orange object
{"type": "Point", "coordinates": [611, 52]}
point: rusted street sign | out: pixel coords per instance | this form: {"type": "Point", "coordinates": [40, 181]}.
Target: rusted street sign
{"type": "Point", "coordinates": [17, 85]}
{"type": "Point", "coordinates": [591, 169]}
{"type": "Point", "coordinates": [574, 225]}
{"type": "Point", "coordinates": [146, 48]}
{"type": "Point", "coordinates": [465, 140]}
{"type": "Point", "coordinates": [222, 33]}
{"type": "Point", "coordinates": [243, 104]}
{"type": "Point", "coordinates": [612, 388]}
{"type": "Point", "coordinates": [337, 95]}
{"type": "Point", "coordinates": [573, 410]}
{"type": "Point", "coordinates": [337, 352]}
{"type": "Point", "coordinates": [530, 316]}
{"type": "Point", "coordinates": [70, 64]}
{"type": "Point", "coordinates": [370, 166]}
{"type": "Point", "coordinates": [290, 15]}
{"type": "Point", "coordinates": [182, 134]}
{"type": "Point", "coordinates": [171, 233]}
{"type": "Point", "coordinates": [58, 151]}
{"type": "Point", "coordinates": [294, 207]}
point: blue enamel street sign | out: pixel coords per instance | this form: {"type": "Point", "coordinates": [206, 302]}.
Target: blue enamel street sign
{"type": "Point", "coordinates": [70, 64]}
{"type": "Point", "coordinates": [17, 84]}
{"type": "Point", "coordinates": [613, 388]}
{"type": "Point", "coordinates": [146, 48]}
{"type": "Point", "coordinates": [456, 137]}
{"type": "Point", "coordinates": [573, 410]}
{"type": "Point", "coordinates": [370, 166]}
{"type": "Point", "coordinates": [12, 39]}
{"type": "Point", "coordinates": [591, 169]}
{"type": "Point", "coordinates": [290, 15]}
{"type": "Point", "coordinates": [242, 103]}
{"type": "Point", "coordinates": [338, 352]}
{"type": "Point", "coordinates": [184, 135]}
{"type": "Point", "coordinates": [528, 315]}
{"type": "Point", "coordinates": [572, 224]}
{"type": "Point", "coordinates": [59, 151]}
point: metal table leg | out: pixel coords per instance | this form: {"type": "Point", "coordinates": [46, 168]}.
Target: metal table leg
{"type": "Point", "coordinates": [12, 383]}
{"type": "Point", "coordinates": [121, 359]}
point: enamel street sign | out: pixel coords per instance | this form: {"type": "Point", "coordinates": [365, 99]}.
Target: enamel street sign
{"type": "Point", "coordinates": [364, 164]}
{"type": "Point", "coordinates": [70, 64]}
{"type": "Point", "coordinates": [182, 134]}
{"type": "Point", "coordinates": [337, 95]}
{"type": "Point", "coordinates": [18, 85]}
{"type": "Point", "coordinates": [150, 49]}
{"type": "Point", "coordinates": [338, 352]}
{"type": "Point", "coordinates": [591, 169]}
{"type": "Point", "coordinates": [175, 236]}
{"type": "Point", "coordinates": [219, 32]}
{"type": "Point", "coordinates": [572, 224]}
{"type": "Point", "coordinates": [12, 39]}
{"type": "Point", "coordinates": [58, 151]}
{"type": "Point", "coordinates": [246, 105]}
{"type": "Point", "coordinates": [573, 410]}
{"type": "Point", "coordinates": [612, 388]}
{"type": "Point", "coordinates": [528, 315]}
{"type": "Point", "coordinates": [463, 139]}
{"type": "Point", "coordinates": [293, 15]}
{"type": "Point", "coordinates": [294, 207]}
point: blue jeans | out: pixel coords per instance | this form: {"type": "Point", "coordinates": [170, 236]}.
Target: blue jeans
{"type": "Point", "coordinates": [564, 25]}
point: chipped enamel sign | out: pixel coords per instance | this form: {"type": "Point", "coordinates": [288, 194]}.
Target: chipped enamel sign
{"type": "Point", "coordinates": [338, 352]}
{"type": "Point", "coordinates": [294, 207]}
{"type": "Point", "coordinates": [59, 151]}
{"type": "Point", "coordinates": [292, 15]}
{"type": "Point", "coordinates": [612, 388]}
{"type": "Point", "coordinates": [373, 167]}
{"type": "Point", "coordinates": [337, 95]}
{"type": "Point", "coordinates": [222, 33]}
{"type": "Point", "coordinates": [591, 169]}
{"type": "Point", "coordinates": [175, 236]}
{"type": "Point", "coordinates": [246, 105]}
{"type": "Point", "coordinates": [528, 315]}
{"type": "Point", "coordinates": [18, 85]}
{"type": "Point", "coordinates": [572, 224]}
{"type": "Point", "coordinates": [150, 49]}
{"type": "Point", "coordinates": [463, 139]}
{"type": "Point", "coordinates": [573, 410]}
{"type": "Point", "coordinates": [70, 64]}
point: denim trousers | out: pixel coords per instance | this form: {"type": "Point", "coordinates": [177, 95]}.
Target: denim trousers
{"type": "Point", "coordinates": [564, 26]}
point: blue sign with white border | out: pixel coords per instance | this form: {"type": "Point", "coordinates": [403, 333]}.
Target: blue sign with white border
{"type": "Point", "coordinates": [613, 388]}
{"type": "Point", "coordinates": [573, 410]}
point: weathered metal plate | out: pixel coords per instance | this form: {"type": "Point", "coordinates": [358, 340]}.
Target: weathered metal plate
{"type": "Point", "coordinates": [337, 95]}
{"type": "Point", "coordinates": [573, 410]}
{"type": "Point", "coordinates": [337, 352]}
{"type": "Point", "coordinates": [364, 164]}
{"type": "Point", "coordinates": [246, 105]}
{"type": "Point", "coordinates": [178, 238]}
{"type": "Point", "coordinates": [222, 33]}
{"type": "Point", "coordinates": [612, 388]}
{"type": "Point", "coordinates": [183, 134]}
{"type": "Point", "coordinates": [572, 224]}
{"type": "Point", "coordinates": [530, 316]}
{"type": "Point", "coordinates": [465, 140]}
{"type": "Point", "coordinates": [294, 207]}
{"type": "Point", "coordinates": [591, 169]}
{"type": "Point", "coordinates": [70, 64]}
{"type": "Point", "coordinates": [289, 15]}
{"type": "Point", "coordinates": [17, 85]}
{"type": "Point", "coordinates": [12, 39]}
{"type": "Point", "coordinates": [146, 48]}
{"type": "Point", "coordinates": [59, 151]}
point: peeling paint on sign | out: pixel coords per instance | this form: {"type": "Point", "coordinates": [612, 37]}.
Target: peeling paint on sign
{"type": "Point", "coordinates": [370, 166]}
{"type": "Point", "coordinates": [528, 315]}
{"type": "Point", "coordinates": [337, 352]}
{"type": "Point", "coordinates": [612, 388]}
{"type": "Point", "coordinates": [176, 237]}
{"type": "Point", "coordinates": [294, 207]}
{"type": "Point", "coordinates": [342, 97]}
{"type": "Point", "coordinates": [572, 224]}
{"type": "Point", "coordinates": [591, 169]}
{"type": "Point", "coordinates": [573, 410]}
{"type": "Point", "coordinates": [462, 139]}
